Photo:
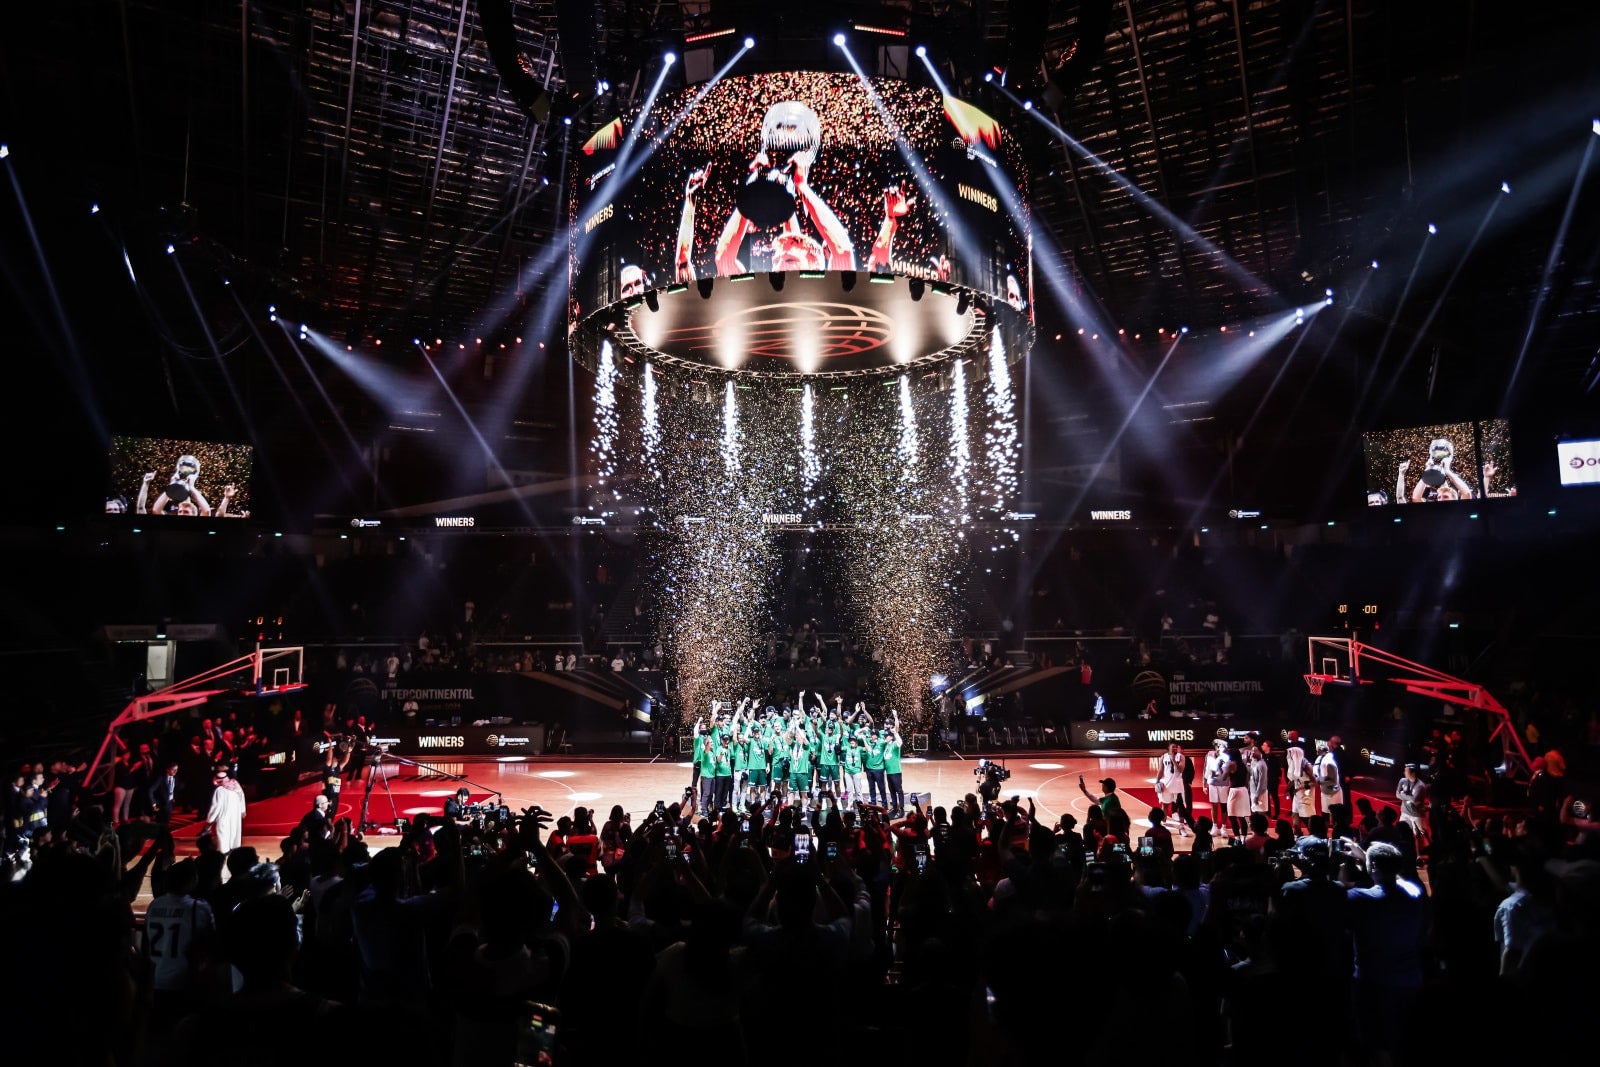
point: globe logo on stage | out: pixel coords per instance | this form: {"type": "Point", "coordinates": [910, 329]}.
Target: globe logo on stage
{"type": "Point", "coordinates": [1091, 736]}
{"type": "Point", "coordinates": [494, 740]}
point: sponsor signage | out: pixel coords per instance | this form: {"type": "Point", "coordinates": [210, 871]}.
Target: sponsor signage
{"type": "Point", "coordinates": [1124, 734]}
{"type": "Point", "coordinates": [1244, 513]}
{"type": "Point", "coordinates": [1580, 461]}
{"type": "Point", "coordinates": [1183, 691]}
{"type": "Point", "coordinates": [182, 631]}
{"type": "Point", "coordinates": [425, 741]}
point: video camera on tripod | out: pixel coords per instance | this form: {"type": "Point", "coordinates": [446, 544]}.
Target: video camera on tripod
{"type": "Point", "coordinates": [344, 743]}
{"type": "Point", "coordinates": [990, 775]}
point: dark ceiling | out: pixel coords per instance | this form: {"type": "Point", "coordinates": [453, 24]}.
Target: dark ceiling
{"type": "Point", "coordinates": [363, 165]}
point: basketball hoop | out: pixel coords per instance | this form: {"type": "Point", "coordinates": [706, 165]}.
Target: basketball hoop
{"type": "Point", "coordinates": [1314, 682]}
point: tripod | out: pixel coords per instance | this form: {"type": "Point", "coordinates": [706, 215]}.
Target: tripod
{"type": "Point", "coordinates": [381, 756]}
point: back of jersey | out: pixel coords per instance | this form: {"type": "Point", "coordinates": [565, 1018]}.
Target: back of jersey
{"type": "Point", "coordinates": [172, 925]}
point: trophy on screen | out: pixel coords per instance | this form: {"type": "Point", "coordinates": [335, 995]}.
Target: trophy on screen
{"type": "Point", "coordinates": [790, 134]}
{"type": "Point", "coordinates": [183, 479]}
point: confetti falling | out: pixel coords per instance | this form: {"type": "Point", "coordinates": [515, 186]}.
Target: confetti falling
{"type": "Point", "coordinates": [1001, 434]}
{"type": "Point", "coordinates": [650, 431]}
{"type": "Point", "coordinates": [852, 464]}
{"type": "Point", "coordinates": [960, 447]}
{"type": "Point", "coordinates": [908, 433]}
{"type": "Point", "coordinates": [810, 465]}
{"type": "Point", "coordinates": [605, 417]}
{"type": "Point", "coordinates": [730, 431]}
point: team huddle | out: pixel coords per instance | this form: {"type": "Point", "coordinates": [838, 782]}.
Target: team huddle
{"type": "Point", "coordinates": [778, 754]}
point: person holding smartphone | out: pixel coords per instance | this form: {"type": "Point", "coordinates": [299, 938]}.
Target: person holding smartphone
{"type": "Point", "coordinates": [1108, 801]}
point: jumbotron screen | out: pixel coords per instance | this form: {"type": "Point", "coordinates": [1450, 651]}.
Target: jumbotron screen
{"type": "Point", "coordinates": [195, 479]}
{"type": "Point", "coordinates": [1439, 463]}
{"type": "Point", "coordinates": [803, 172]}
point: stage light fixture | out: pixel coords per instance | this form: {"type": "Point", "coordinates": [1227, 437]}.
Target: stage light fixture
{"type": "Point", "coordinates": [838, 39]}
{"type": "Point", "coordinates": [170, 250]}
{"type": "Point", "coordinates": [775, 279]}
{"type": "Point", "coordinates": [916, 288]}
{"type": "Point", "coordinates": [922, 52]}
{"type": "Point", "coordinates": [749, 42]}
{"type": "Point", "coordinates": [651, 300]}
{"type": "Point", "coordinates": [5, 151]}
{"type": "Point", "coordinates": [988, 75]}
{"type": "Point", "coordinates": [1594, 128]}
{"type": "Point", "coordinates": [1505, 187]}
{"type": "Point", "coordinates": [670, 58]}
{"type": "Point", "coordinates": [1183, 329]}
{"type": "Point", "coordinates": [1027, 105]}
{"type": "Point", "coordinates": [1374, 264]}
{"type": "Point", "coordinates": [847, 280]}
{"type": "Point", "coordinates": [704, 285]}
{"type": "Point", "coordinates": [566, 120]}
{"type": "Point", "coordinates": [1432, 229]}
{"type": "Point", "coordinates": [94, 209]}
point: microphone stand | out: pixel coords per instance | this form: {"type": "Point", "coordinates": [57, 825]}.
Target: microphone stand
{"type": "Point", "coordinates": [381, 754]}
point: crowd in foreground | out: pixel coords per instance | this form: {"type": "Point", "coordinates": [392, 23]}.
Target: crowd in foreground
{"type": "Point", "coordinates": [971, 933]}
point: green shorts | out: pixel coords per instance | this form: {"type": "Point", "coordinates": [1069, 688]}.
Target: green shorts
{"type": "Point", "coordinates": [758, 776]}
{"type": "Point", "coordinates": [800, 782]}
{"type": "Point", "coordinates": [828, 772]}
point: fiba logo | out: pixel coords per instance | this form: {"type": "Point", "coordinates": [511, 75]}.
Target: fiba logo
{"type": "Point", "coordinates": [1366, 754]}
{"type": "Point", "coordinates": [493, 740]}
{"type": "Point", "coordinates": [1091, 736]}
{"type": "Point", "coordinates": [1580, 462]}
{"type": "Point", "coordinates": [1222, 732]}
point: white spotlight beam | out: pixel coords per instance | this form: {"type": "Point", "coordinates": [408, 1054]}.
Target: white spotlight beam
{"type": "Point", "coordinates": [1189, 234]}
{"type": "Point", "coordinates": [1550, 265]}
{"type": "Point", "coordinates": [554, 299]}
{"type": "Point", "coordinates": [483, 445]}
{"type": "Point", "coordinates": [1127, 420]}
{"type": "Point", "coordinates": [966, 251]}
{"type": "Point", "coordinates": [933, 72]}
{"type": "Point", "coordinates": [1438, 303]}
{"type": "Point", "coordinates": [1262, 345]}
{"type": "Point", "coordinates": [1383, 345]}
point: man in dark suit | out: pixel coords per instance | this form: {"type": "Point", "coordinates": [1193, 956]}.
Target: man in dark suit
{"type": "Point", "coordinates": [163, 793]}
